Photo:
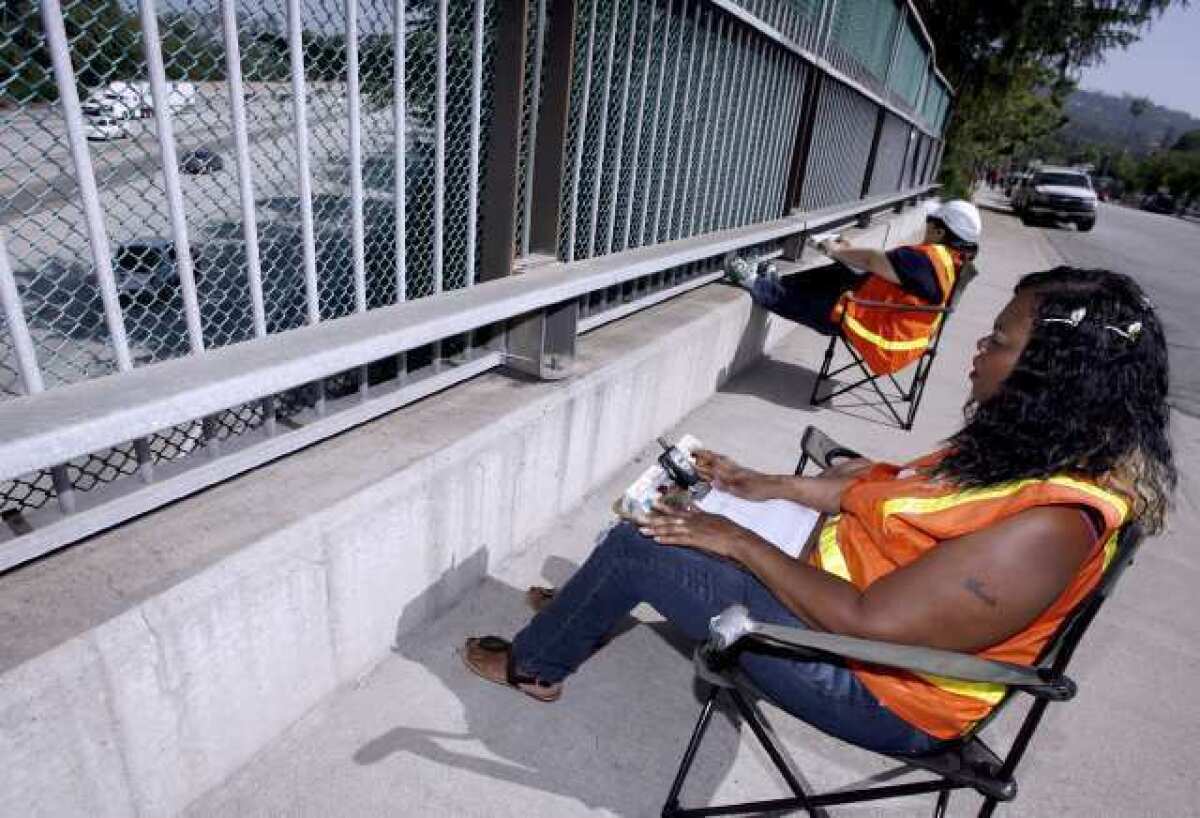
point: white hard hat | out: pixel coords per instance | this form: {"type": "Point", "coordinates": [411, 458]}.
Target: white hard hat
{"type": "Point", "coordinates": [961, 218]}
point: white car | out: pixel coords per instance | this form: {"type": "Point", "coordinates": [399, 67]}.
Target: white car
{"type": "Point", "coordinates": [1057, 195]}
{"type": "Point", "coordinates": [102, 129]}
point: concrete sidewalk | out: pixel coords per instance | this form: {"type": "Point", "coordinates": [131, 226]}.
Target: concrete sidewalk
{"type": "Point", "coordinates": [421, 736]}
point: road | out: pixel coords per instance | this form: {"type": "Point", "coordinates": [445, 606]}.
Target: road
{"type": "Point", "coordinates": [1162, 253]}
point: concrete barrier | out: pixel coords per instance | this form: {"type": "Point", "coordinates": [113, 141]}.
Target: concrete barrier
{"type": "Point", "coordinates": [230, 614]}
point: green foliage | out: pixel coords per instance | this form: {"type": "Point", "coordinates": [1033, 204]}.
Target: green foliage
{"type": "Point", "coordinates": [105, 44]}
{"type": "Point", "coordinates": [1011, 62]}
{"type": "Point", "coordinates": [1190, 141]}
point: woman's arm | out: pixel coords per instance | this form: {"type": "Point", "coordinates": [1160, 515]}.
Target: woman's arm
{"type": "Point", "coordinates": [965, 594]}
{"type": "Point", "coordinates": [822, 493]}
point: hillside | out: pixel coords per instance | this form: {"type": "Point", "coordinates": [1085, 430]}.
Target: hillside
{"type": "Point", "coordinates": [1104, 119]}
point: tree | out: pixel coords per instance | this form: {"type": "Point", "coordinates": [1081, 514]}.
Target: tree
{"type": "Point", "coordinates": [1190, 141]}
{"type": "Point", "coordinates": [998, 52]}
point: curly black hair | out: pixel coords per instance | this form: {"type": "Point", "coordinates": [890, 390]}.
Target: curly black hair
{"type": "Point", "coordinates": [1087, 398]}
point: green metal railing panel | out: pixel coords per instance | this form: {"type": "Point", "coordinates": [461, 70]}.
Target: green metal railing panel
{"type": "Point", "coordinates": [908, 70]}
{"type": "Point", "coordinates": [863, 29]}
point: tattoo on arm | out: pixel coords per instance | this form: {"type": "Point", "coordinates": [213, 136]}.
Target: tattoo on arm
{"type": "Point", "coordinates": [975, 586]}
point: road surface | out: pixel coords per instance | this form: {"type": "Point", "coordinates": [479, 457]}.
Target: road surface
{"type": "Point", "coordinates": [1163, 254]}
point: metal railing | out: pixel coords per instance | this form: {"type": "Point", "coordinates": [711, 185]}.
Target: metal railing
{"type": "Point", "coordinates": [171, 319]}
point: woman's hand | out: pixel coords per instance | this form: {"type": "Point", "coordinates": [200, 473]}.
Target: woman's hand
{"type": "Point", "coordinates": [693, 528]}
{"type": "Point", "coordinates": [728, 476]}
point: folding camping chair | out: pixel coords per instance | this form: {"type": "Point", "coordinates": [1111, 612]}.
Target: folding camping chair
{"type": "Point", "coordinates": [968, 763]}
{"type": "Point", "coordinates": [910, 394]}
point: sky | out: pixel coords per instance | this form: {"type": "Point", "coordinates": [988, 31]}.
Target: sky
{"type": "Point", "coordinates": [1164, 65]}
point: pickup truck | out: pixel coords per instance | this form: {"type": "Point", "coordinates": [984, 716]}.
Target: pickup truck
{"type": "Point", "coordinates": [1057, 195]}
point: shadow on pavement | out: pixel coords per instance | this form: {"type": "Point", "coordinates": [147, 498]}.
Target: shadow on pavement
{"type": "Point", "coordinates": [612, 742]}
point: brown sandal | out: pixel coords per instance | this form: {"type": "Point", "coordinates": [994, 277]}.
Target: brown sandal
{"type": "Point", "coordinates": [539, 597]}
{"type": "Point", "coordinates": [529, 685]}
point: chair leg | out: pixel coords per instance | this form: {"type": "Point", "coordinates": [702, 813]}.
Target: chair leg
{"type": "Point", "coordinates": [989, 806]}
{"type": "Point", "coordinates": [760, 732]}
{"type": "Point", "coordinates": [671, 807]}
{"type": "Point", "coordinates": [824, 373]}
{"type": "Point", "coordinates": [939, 809]}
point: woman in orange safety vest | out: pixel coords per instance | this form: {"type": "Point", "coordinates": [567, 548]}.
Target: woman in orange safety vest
{"type": "Point", "coordinates": [982, 547]}
{"type": "Point", "coordinates": [917, 275]}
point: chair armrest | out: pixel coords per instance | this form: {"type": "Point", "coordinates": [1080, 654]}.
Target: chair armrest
{"type": "Point", "coordinates": [822, 449]}
{"type": "Point", "coordinates": [887, 305]}
{"type": "Point", "coordinates": [735, 625]}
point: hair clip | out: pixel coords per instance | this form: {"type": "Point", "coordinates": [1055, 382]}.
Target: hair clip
{"type": "Point", "coordinates": [1130, 333]}
{"type": "Point", "coordinates": [1077, 316]}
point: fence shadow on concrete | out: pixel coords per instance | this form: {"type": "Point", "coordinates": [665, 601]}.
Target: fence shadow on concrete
{"type": "Point", "coordinates": [612, 742]}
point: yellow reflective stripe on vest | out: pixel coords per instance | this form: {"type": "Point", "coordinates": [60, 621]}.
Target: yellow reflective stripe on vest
{"type": "Point", "coordinates": [989, 692]}
{"type": "Point", "coordinates": [928, 505]}
{"type": "Point", "coordinates": [947, 260]}
{"type": "Point", "coordinates": [832, 559]}
{"type": "Point", "coordinates": [851, 323]}
{"type": "Point", "coordinates": [1110, 549]}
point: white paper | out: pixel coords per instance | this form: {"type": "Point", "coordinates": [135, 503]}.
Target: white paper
{"type": "Point", "coordinates": [784, 524]}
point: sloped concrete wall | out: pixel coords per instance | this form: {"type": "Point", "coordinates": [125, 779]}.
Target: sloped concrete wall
{"type": "Point", "coordinates": [303, 567]}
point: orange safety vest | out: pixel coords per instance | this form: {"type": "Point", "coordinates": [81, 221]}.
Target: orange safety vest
{"type": "Point", "coordinates": [889, 340]}
{"type": "Point", "coordinates": [888, 522]}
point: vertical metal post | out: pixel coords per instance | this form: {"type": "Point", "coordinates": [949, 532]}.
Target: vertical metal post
{"type": "Point", "coordinates": [300, 113]}
{"type": "Point", "coordinates": [581, 135]}
{"type": "Point", "coordinates": [809, 106]}
{"type": "Point", "coordinates": [535, 114]}
{"type": "Point", "coordinates": [152, 47]}
{"type": "Point", "coordinates": [869, 171]}
{"type": "Point", "coordinates": [237, 107]}
{"type": "Point", "coordinates": [795, 92]}
{"type": "Point", "coordinates": [85, 178]}
{"type": "Point", "coordinates": [698, 127]}
{"type": "Point", "coordinates": [89, 195]}
{"type": "Point", "coordinates": [620, 146]}
{"type": "Point", "coordinates": [551, 150]}
{"type": "Point", "coordinates": [497, 245]}
{"type": "Point", "coordinates": [686, 117]}
{"type": "Point", "coordinates": [354, 132]}
{"type": "Point", "coordinates": [662, 70]}
{"type": "Point", "coordinates": [399, 159]}
{"type": "Point", "coordinates": [714, 131]}
{"type": "Point", "coordinates": [473, 163]}
{"type": "Point", "coordinates": [637, 130]}
{"type": "Point", "coordinates": [27, 365]}
{"type": "Point", "coordinates": [668, 150]}
{"type": "Point", "coordinates": [439, 149]}
{"type": "Point", "coordinates": [598, 173]}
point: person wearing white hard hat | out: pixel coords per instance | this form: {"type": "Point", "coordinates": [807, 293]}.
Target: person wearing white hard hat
{"type": "Point", "coordinates": [922, 274]}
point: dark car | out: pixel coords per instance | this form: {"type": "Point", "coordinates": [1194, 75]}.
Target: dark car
{"type": "Point", "coordinates": [201, 160]}
{"type": "Point", "coordinates": [144, 269]}
{"type": "Point", "coordinates": [1159, 203]}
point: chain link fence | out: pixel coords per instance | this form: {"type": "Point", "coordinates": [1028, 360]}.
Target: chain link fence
{"type": "Point", "coordinates": [681, 119]}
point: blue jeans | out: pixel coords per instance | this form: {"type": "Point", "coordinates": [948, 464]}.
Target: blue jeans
{"type": "Point", "coordinates": [807, 298]}
{"type": "Point", "coordinates": [689, 588]}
